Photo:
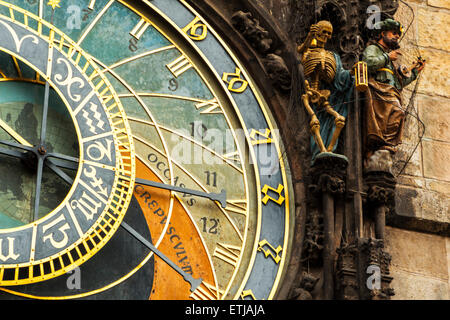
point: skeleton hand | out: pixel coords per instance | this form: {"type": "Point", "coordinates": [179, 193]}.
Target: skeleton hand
{"type": "Point", "coordinates": [339, 121]}
{"type": "Point", "coordinates": [313, 30]}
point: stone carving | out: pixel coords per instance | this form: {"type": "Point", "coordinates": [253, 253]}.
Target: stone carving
{"type": "Point", "coordinates": [313, 242]}
{"type": "Point", "coordinates": [347, 287]}
{"type": "Point", "coordinates": [328, 174]}
{"type": "Point", "coordinates": [307, 285]}
{"type": "Point", "coordinates": [375, 256]}
{"type": "Point", "coordinates": [260, 40]}
{"type": "Point", "coordinates": [278, 72]}
{"type": "Point", "coordinates": [249, 27]}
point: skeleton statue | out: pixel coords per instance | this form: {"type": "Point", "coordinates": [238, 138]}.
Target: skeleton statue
{"type": "Point", "coordinates": [320, 68]}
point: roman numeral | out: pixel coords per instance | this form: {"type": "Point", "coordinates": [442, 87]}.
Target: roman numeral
{"type": "Point", "coordinates": [206, 291]}
{"type": "Point", "coordinates": [11, 254]}
{"type": "Point", "coordinates": [209, 107]}
{"type": "Point", "coordinates": [237, 206]}
{"type": "Point", "coordinates": [179, 66]}
{"type": "Point", "coordinates": [228, 253]}
{"type": "Point", "coordinates": [232, 156]}
{"type": "Point", "coordinates": [91, 4]}
{"type": "Point", "coordinates": [139, 29]}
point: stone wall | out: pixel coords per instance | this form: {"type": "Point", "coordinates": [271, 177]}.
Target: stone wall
{"type": "Point", "coordinates": [421, 260]}
{"type": "Point", "coordinates": [424, 187]}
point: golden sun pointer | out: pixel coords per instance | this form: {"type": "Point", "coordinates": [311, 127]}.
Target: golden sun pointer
{"type": "Point", "coordinates": [54, 3]}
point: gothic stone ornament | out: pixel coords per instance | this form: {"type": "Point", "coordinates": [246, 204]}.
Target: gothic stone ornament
{"type": "Point", "coordinates": [376, 264]}
{"type": "Point", "coordinates": [347, 287]}
{"type": "Point", "coordinates": [319, 66]}
{"type": "Point", "coordinates": [260, 40]}
{"type": "Point", "coordinates": [252, 31]}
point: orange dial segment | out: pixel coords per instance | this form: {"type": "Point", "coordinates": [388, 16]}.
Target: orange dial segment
{"type": "Point", "coordinates": [181, 241]}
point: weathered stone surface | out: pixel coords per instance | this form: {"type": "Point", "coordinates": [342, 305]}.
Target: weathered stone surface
{"type": "Point", "coordinates": [435, 206]}
{"type": "Point", "coordinates": [436, 159]}
{"type": "Point", "coordinates": [438, 186]}
{"type": "Point", "coordinates": [416, 252]}
{"type": "Point", "coordinates": [435, 113]}
{"type": "Point", "coordinates": [433, 32]}
{"type": "Point", "coordinates": [447, 240]}
{"type": "Point", "coordinates": [410, 152]}
{"type": "Point", "coordinates": [435, 78]}
{"type": "Point", "coordinates": [411, 286]}
{"type": "Point", "coordinates": [422, 203]}
{"type": "Point", "coordinates": [439, 3]}
{"type": "Point", "coordinates": [408, 201]}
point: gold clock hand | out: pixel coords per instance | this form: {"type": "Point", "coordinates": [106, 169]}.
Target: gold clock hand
{"type": "Point", "coordinates": [14, 134]}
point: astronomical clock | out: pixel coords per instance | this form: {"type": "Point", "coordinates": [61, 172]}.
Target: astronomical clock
{"type": "Point", "coordinates": [138, 157]}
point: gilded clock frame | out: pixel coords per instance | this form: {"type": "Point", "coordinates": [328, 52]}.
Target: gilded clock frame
{"type": "Point", "coordinates": [108, 221]}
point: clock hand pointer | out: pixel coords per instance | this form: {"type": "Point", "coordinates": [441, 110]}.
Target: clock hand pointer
{"type": "Point", "coordinates": [12, 153]}
{"type": "Point", "coordinates": [195, 283]}
{"type": "Point", "coordinates": [220, 197]}
{"type": "Point", "coordinates": [40, 166]}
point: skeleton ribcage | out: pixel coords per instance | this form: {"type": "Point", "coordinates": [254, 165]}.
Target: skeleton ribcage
{"type": "Point", "coordinates": [318, 61]}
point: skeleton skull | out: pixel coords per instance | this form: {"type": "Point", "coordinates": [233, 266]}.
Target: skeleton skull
{"type": "Point", "coordinates": [324, 32]}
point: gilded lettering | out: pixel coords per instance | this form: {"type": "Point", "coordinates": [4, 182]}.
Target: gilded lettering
{"type": "Point", "coordinates": [11, 255]}
{"type": "Point", "coordinates": [87, 205]}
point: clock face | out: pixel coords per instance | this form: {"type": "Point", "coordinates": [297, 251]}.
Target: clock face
{"type": "Point", "coordinates": [180, 111]}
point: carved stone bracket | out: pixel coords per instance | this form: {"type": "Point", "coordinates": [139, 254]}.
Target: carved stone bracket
{"type": "Point", "coordinates": [380, 187]}
{"type": "Point", "coordinates": [380, 200]}
{"type": "Point", "coordinates": [307, 285]}
{"type": "Point", "coordinates": [328, 174]}
{"type": "Point", "coordinates": [260, 40]}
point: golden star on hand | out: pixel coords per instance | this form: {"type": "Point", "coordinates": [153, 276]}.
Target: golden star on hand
{"type": "Point", "coordinates": [54, 3]}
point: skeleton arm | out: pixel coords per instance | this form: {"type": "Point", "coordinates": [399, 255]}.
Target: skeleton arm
{"type": "Point", "coordinates": [307, 44]}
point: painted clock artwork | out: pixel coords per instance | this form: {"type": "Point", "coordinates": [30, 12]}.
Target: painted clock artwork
{"type": "Point", "coordinates": [135, 154]}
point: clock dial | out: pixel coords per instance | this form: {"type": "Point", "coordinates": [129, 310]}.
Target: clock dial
{"type": "Point", "coordinates": [51, 236]}
{"type": "Point", "coordinates": [197, 122]}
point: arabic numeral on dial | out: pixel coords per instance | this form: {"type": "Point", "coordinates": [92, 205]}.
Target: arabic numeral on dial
{"type": "Point", "coordinates": [133, 45]}
{"type": "Point", "coordinates": [211, 178]}
{"type": "Point", "coordinates": [198, 130]}
{"type": "Point", "coordinates": [173, 84]}
{"type": "Point", "coordinates": [210, 225]}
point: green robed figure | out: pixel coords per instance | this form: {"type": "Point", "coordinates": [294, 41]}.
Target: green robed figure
{"type": "Point", "coordinates": [384, 114]}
